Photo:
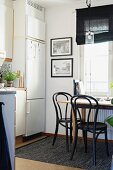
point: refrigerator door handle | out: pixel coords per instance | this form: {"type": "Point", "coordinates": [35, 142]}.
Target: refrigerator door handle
{"type": "Point", "coordinates": [28, 107]}
{"type": "Point", "coordinates": [34, 51]}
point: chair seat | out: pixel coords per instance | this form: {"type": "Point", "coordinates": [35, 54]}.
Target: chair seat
{"type": "Point", "coordinates": [99, 126]}
{"type": "Point", "coordinates": [65, 120]}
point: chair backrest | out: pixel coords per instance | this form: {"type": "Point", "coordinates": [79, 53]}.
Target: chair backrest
{"type": "Point", "coordinates": [85, 102]}
{"type": "Point", "coordinates": [62, 104]}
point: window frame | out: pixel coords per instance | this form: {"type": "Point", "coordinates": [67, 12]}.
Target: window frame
{"type": "Point", "coordinates": [110, 70]}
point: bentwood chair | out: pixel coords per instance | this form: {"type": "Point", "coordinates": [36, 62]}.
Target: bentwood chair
{"type": "Point", "coordinates": [63, 114]}
{"type": "Point", "coordinates": [90, 124]}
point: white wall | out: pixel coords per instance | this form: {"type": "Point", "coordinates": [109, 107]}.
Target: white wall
{"type": "Point", "coordinates": [7, 2]}
{"type": "Point", "coordinates": [60, 22]}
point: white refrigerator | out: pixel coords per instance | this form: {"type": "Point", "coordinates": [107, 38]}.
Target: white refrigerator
{"type": "Point", "coordinates": [35, 84]}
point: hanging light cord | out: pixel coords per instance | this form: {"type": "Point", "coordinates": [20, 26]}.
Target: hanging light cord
{"type": "Point", "coordinates": [88, 3]}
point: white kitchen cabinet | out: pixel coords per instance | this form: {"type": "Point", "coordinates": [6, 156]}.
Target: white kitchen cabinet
{"type": "Point", "coordinates": [27, 8]}
{"type": "Point", "coordinates": [35, 117]}
{"type": "Point", "coordinates": [20, 111]}
{"type": "Point", "coordinates": [22, 32]}
{"type": "Point", "coordinates": [6, 30]}
{"type": "Point", "coordinates": [35, 28]}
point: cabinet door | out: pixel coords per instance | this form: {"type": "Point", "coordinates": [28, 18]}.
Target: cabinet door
{"type": "Point", "coordinates": [6, 30]}
{"type": "Point", "coordinates": [35, 117]}
{"type": "Point", "coordinates": [35, 28]}
{"type": "Point", "coordinates": [35, 67]}
{"type": "Point", "coordinates": [20, 112]}
{"type": "Point", "coordinates": [8, 116]}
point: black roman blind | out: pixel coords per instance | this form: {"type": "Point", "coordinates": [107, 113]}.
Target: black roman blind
{"type": "Point", "coordinates": [101, 23]}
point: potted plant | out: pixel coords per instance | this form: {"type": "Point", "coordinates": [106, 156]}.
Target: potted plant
{"type": "Point", "coordinates": [109, 120]}
{"type": "Point", "coordinates": [9, 76]}
{"type": "Point", "coordinates": [1, 80]}
{"type": "Point", "coordinates": [111, 86]}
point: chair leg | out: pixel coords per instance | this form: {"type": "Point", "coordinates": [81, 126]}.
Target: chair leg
{"type": "Point", "coordinates": [106, 143]}
{"type": "Point", "coordinates": [67, 144]}
{"type": "Point", "coordinates": [83, 133]}
{"type": "Point", "coordinates": [85, 137]}
{"type": "Point", "coordinates": [70, 132]}
{"type": "Point", "coordinates": [56, 131]}
{"type": "Point", "coordinates": [74, 143]}
{"type": "Point", "coordinates": [94, 150]}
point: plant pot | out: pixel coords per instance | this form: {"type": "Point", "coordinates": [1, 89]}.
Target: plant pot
{"type": "Point", "coordinates": [1, 85]}
{"type": "Point", "coordinates": [9, 83]}
{"type": "Point", "coordinates": [1, 80]}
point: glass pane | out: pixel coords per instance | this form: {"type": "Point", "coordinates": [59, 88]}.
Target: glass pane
{"type": "Point", "coordinates": [96, 67]}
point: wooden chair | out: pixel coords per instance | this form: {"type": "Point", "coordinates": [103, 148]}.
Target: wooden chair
{"type": "Point", "coordinates": [89, 125]}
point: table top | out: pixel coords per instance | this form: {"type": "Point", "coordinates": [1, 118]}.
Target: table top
{"type": "Point", "coordinates": [103, 103]}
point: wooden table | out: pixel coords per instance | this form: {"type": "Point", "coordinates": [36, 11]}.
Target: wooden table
{"type": "Point", "coordinates": [103, 104]}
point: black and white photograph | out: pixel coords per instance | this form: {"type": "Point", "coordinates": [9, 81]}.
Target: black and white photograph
{"type": "Point", "coordinates": [61, 46]}
{"type": "Point", "coordinates": [62, 67]}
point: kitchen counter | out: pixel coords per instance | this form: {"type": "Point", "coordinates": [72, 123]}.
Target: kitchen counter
{"type": "Point", "coordinates": [5, 92]}
{"type": "Point", "coordinates": [10, 90]}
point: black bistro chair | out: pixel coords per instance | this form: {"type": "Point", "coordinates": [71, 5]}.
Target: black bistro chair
{"type": "Point", "coordinates": [89, 125]}
{"type": "Point", "coordinates": [63, 114]}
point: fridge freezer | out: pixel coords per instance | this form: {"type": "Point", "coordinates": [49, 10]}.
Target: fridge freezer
{"type": "Point", "coordinates": [35, 117]}
{"type": "Point", "coordinates": [35, 84]}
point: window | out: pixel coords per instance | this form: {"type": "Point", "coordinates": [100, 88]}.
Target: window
{"type": "Point", "coordinates": [96, 68]}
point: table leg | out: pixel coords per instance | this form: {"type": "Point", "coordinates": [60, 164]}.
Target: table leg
{"type": "Point", "coordinates": [83, 111]}
{"type": "Point", "coordinates": [83, 114]}
{"type": "Point", "coordinates": [73, 125]}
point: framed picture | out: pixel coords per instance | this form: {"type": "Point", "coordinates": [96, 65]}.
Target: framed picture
{"type": "Point", "coordinates": [62, 67]}
{"type": "Point", "coordinates": [61, 46]}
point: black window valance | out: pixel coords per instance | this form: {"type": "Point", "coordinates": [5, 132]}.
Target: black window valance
{"type": "Point", "coordinates": [101, 23]}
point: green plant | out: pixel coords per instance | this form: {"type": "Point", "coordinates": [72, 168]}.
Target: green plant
{"type": "Point", "coordinates": [109, 120]}
{"type": "Point", "coordinates": [9, 76]}
{"type": "Point", "coordinates": [111, 85]}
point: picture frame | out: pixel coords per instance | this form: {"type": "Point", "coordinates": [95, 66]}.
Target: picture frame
{"type": "Point", "coordinates": [61, 46]}
{"type": "Point", "coordinates": [62, 67]}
